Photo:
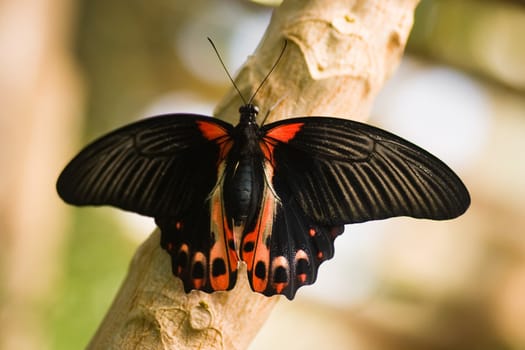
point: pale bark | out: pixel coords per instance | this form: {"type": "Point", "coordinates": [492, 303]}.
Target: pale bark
{"type": "Point", "coordinates": [339, 55]}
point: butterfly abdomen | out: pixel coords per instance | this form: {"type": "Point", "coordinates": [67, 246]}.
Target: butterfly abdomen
{"type": "Point", "coordinates": [243, 186]}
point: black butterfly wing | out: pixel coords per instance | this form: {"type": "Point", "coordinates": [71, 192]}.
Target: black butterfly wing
{"type": "Point", "coordinates": [201, 245]}
{"type": "Point", "coordinates": [156, 167]}
{"type": "Point", "coordinates": [285, 248]}
{"type": "Point", "coordinates": [298, 248]}
{"type": "Point", "coordinates": [166, 167]}
{"type": "Point", "coordinates": [343, 171]}
{"type": "Point", "coordinates": [325, 172]}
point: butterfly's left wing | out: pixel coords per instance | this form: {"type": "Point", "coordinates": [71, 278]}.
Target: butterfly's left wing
{"type": "Point", "coordinates": [201, 245]}
{"type": "Point", "coordinates": [155, 167]}
{"type": "Point", "coordinates": [166, 167]}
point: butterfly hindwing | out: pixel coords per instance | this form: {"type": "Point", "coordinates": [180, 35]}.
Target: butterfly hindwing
{"type": "Point", "coordinates": [284, 248]}
{"type": "Point", "coordinates": [223, 255]}
{"type": "Point", "coordinates": [257, 238]}
{"type": "Point", "coordinates": [325, 172]}
{"type": "Point", "coordinates": [298, 248]}
{"type": "Point", "coordinates": [187, 240]}
{"type": "Point", "coordinates": [201, 246]}
{"type": "Point", "coordinates": [342, 172]}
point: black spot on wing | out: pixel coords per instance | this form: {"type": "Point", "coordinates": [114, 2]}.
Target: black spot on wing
{"type": "Point", "coordinates": [297, 248]}
{"type": "Point", "coordinates": [188, 241]}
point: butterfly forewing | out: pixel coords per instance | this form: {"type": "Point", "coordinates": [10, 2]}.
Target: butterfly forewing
{"type": "Point", "coordinates": [342, 172]}
{"type": "Point", "coordinates": [157, 166]}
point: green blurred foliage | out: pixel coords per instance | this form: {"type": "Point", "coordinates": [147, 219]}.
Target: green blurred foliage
{"type": "Point", "coordinates": [94, 266]}
{"type": "Point", "coordinates": [481, 37]}
{"type": "Point", "coordinates": [125, 49]}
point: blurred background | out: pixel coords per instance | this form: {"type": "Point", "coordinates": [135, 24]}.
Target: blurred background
{"type": "Point", "coordinates": [72, 70]}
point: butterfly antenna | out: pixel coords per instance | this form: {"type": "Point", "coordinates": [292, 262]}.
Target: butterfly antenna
{"type": "Point", "coordinates": [270, 72]}
{"type": "Point", "coordinates": [226, 70]}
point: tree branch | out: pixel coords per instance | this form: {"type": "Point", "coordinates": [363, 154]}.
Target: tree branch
{"type": "Point", "coordinates": [340, 54]}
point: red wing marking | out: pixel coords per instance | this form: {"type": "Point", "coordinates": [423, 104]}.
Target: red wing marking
{"type": "Point", "coordinates": [223, 258]}
{"type": "Point", "coordinates": [301, 255]}
{"type": "Point", "coordinates": [280, 266]}
{"type": "Point", "coordinates": [184, 251]}
{"type": "Point", "coordinates": [198, 270]}
{"type": "Point", "coordinates": [255, 249]}
{"type": "Point", "coordinates": [211, 131]}
{"type": "Point", "coordinates": [282, 133]}
{"type": "Point", "coordinates": [216, 133]}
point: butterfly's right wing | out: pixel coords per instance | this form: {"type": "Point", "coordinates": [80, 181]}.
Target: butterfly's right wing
{"type": "Point", "coordinates": [342, 171]}
{"type": "Point", "coordinates": [325, 172]}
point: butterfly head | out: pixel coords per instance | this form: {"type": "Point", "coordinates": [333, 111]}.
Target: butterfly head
{"type": "Point", "coordinates": [248, 113]}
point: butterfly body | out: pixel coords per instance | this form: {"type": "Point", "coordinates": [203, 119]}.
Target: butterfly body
{"type": "Point", "coordinates": [273, 196]}
{"type": "Point", "coordinates": [244, 171]}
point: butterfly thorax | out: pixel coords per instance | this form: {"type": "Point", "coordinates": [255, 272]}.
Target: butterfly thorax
{"type": "Point", "coordinates": [244, 175]}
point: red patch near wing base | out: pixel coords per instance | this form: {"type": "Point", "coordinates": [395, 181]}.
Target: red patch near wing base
{"type": "Point", "coordinates": [282, 133]}
{"type": "Point", "coordinates": [216, 133]}
{"type": "Point", "coordinates": [211, 131]}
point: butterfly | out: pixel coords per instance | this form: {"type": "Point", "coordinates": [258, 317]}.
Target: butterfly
{"type": "Point", "coordinates": [274, 196]}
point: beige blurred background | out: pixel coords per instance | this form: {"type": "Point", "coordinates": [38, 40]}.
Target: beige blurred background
{"type": "Point", "coordinates": [71, 70]}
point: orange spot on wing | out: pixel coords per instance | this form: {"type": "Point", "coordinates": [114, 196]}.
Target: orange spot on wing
{"type": "Point", "coordinates": [198, 283]}
{"type": "Point", "coordinates": [225, 148]}
{"type": "Point", "coordinates": [220, 282]}
{"type": "Point", "coordinates": [302, 277]}
{"type": "Point", "coordinates": [279, 287]}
